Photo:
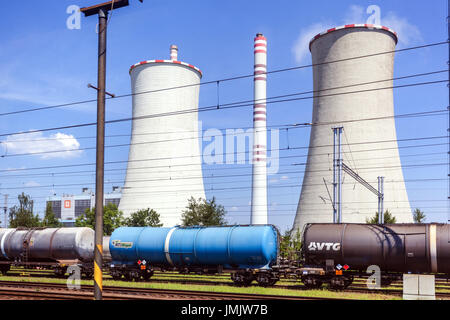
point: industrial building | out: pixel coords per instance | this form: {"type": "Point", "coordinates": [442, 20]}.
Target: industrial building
{"type": "Point", "coordinates": [355, 95]}
{"type": "Point", "coordinates": [164, 162]}
{"type": "Point", "coordinates": [67, 208]}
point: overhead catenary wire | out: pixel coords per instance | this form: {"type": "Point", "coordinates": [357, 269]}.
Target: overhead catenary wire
{"type": "Point", "coordinates": [173, 170]}
{"type": "Point", "coordinates": [214, 108]}
{"type": "Point", "coordinates": [235, 131]}
{"type": "Point", "coordinates": [423, 165]}
{"type": "Point", "coordinates": [273, 192]}
{"type": "Point", "coordinates": [173, 165]}
{"type": "Point", "coordinates": [226, 79]}
{"type": "Point", "coordinates": [178, 139]}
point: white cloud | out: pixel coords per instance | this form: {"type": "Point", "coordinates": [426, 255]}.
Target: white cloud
{"type": "Point", "coordinates": [11, 169]}
{"type": "Point", "coordinates": [58, 145]}
{"type": "Point", "coordinates": [355, 14]}
{"type": "Point", "coordinates": [408, 33]}
{"type": "Point", "coordinates": [301, 45]}
{"type": "Point", "coordinates": [234, 208]}
{"type": "Point", "coordinates": [284, 178]}
{"type": "Point", "coordinates": [32, 184]}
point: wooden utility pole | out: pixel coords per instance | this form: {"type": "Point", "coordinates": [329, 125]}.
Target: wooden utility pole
{"type": "Point", "coordinates": [102, 11]}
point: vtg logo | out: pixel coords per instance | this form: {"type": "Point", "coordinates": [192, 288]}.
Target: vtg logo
{"type": "Point", "coordinates": [319, 246]}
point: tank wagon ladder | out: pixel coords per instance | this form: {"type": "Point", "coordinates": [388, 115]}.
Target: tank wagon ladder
{"type": "Point", "coordinates": [24, 255]}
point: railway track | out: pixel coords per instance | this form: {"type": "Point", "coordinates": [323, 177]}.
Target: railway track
{"type": "Point", "coordinates": [357, 287]}
{"type": "Point", "coordinates": [57, 291]}
{"type": "Point", "coordinates": [177, 278]}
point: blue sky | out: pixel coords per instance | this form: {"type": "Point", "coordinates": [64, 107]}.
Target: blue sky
{"type": "Point", "coordinates": [43, 63]}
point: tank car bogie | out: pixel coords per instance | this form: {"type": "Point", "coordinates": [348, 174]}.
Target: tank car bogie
{"type": "Point", "coordinates": [242, 278]}
{"type": "Point", "coordinates": [266, 279]}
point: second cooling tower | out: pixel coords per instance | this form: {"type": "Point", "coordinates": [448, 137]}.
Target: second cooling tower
{"type": "Point", "coordinates": [353, 93]}
{"type": "Point", "coordinates": [164, 162]}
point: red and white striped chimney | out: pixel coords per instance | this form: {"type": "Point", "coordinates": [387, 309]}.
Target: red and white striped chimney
{"type": "Point", "coordinates": [259, 183]}
{"type": "Point", "coordinates": [173, 52]}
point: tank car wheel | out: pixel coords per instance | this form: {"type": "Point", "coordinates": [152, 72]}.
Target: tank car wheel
{"type": "Point", "coordinates": [348, 281]}
{"type": "Point", "coordinates": [4, 269]}
{"type": "Point", "coordinates": [132, 275]}
{"type": "Point", "coordinates": [386, 281]}
{"type": "Point", "coordinates": [338, 283]}
{"type": "Point", "coordinates": [116, 276]}
{"type": "Point", "coordinates": [266, 279]}
{"type": "Point", "coordinates": [311, 282]}
{"type": "Point", "coordinates": [60, 271]}
{"type": "Point", "coordinates": [242, 279]}
{"type": "Point", "coordinates": [147, 275]}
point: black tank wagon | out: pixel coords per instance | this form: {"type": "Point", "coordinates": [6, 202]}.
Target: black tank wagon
{"type": "Point", "coordinates": [335, 252]}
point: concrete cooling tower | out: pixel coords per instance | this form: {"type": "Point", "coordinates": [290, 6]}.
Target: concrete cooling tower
{"type": "Point", "coordinates": [369, 147]}
{"type": "Point", "coordinates": [164, 162]}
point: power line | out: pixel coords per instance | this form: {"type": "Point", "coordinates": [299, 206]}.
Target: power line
{"type": "Point", "coordinates": [172, 170]}
{"type": "Point", "coordinates": [177, 165]}
{"type": "Point", "coordinates": [280, 126]}
{"type": "Point", "coordinates": [424, 165]}
{"type": "Point", "coordinates": [224, 79]}
{"type": "Point", "coordinates": [166, 140]}
{"type": "Point", "coordinates": [290, 194]}
{"type": "Point", "coordinates": [216, 107]}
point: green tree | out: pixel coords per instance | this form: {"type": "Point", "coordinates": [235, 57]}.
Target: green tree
{"type": "Point", "coordinates": [388, 218]}
{"type": "Point", "coordinates": [418, 216]}
{"type": "Point", "coordinates": [50, 219]}
{"type": "Point", "coordinates": [112, 219]}
{"type": "Point", "coordinates": [143, 218]}
{"type": "Point", "coordinates": [290, 245]}
{"type": "Point", "coordinates": [203, 212]}
{"type": "Point", "coordinates": [22, 215]}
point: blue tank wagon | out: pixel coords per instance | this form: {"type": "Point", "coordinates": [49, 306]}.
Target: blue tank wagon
{"type": "Point", "coordinates": [248, 252]}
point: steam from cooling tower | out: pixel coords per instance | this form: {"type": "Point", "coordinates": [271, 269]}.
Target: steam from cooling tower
{"type": "Point", "coordinates": [259, 183]}
{"type": "Point", "coordinates": [369, 147]}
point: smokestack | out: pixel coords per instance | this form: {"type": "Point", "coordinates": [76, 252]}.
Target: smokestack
{"type": "Point", "coordinates": [173, 52]}
{"type": "Point", "coordinates": [259, 183]}
{"type": "Point", "coordinates": [338, 107]}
